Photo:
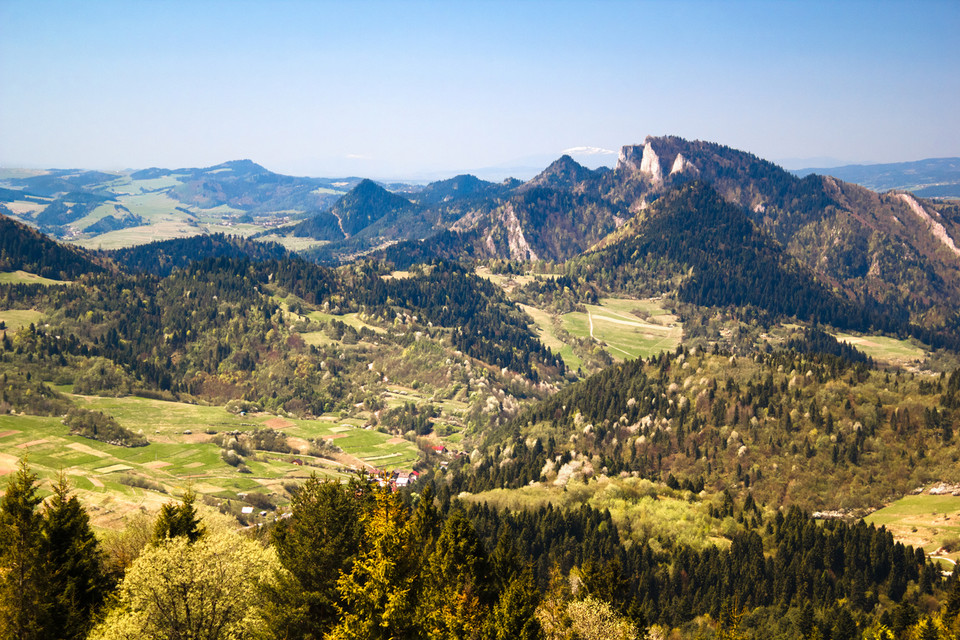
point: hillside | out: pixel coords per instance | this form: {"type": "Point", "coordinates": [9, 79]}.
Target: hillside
{"type": "Point", "coordinates": [811, 430]}
{"type": "Point", "coordinates": [673, 490]}
{"type": "Point", "coordinates": [114, 210]}
{"type": "Point", "coordinates": [899, 249]}
{"type": "Point", "coordinates": [708, 251]}
{"type": "Point", "coordinates": [24, 249]}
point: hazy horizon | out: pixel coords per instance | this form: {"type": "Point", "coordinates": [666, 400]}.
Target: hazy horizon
{"type": "Point", "coordinates": [401, 90]}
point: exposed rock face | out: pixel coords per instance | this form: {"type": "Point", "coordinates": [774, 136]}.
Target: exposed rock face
{"type": "Point", "coordinates": [517, 245]}
{"type": "Point", "coordinates": [937, 229]}
{"type": "Point", "coordinates": [650, 165]}
{"type": "Point", "coordinates": [630, 157]}
{"type": "Point", "coordinates": [683, 166]}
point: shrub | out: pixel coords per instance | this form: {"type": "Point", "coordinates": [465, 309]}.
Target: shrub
{"type": "Point", "coordinates": [97, 425]}
{"type": "Point", "coordinates": [132, 480]}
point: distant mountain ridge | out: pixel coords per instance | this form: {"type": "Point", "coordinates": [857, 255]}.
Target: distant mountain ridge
{"type": "Point", "coordinates": [929, 178]}
{"type": "Point", "coordinates": [894, 248]}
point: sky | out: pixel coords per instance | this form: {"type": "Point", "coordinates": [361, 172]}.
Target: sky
{"type": "Point", "coordinates": [410, 90]}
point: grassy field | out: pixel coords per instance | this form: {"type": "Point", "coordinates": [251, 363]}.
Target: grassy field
{"type": "Point", "coordinates": [903, 353]}
{"type": "Point", "coordinates": [628, 328]}
{"type": "Point", "coordinates": [140, 235]}
{"type": "Point", "coordinates": [349, 319]}
{"type": "Point", "coordinates": [24, 277]}
{"type": "Point", "coordinates": [294, 244]}
{"type": "Point", "coordinates": [182, 453]}
{"type": "Point", "coordinates": [922, 520]}
{"type": "Point", "coordinates": [14, 319]}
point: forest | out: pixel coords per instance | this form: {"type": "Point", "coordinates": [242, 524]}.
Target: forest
{"type": "Point", "coordinates": [440, 437]}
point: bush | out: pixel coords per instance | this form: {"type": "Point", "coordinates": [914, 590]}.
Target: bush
{"type": "Point", "coordinates": [97, 425]}
{"type": "Point", "coordinates": [140, 482]}
{"type": "Point", "coordinates": [103, 378]}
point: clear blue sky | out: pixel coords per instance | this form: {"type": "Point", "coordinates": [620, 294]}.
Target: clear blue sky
{"type": "Point", "coordinates": [400, 89]}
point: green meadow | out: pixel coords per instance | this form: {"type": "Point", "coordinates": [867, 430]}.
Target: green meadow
{"type": "Point", "coordinates": [182, 454]}
{"type": "Point", "coordinates": [628, 328]}
{"type": "Point", "coordinates": [887, 350]}
{"type": "Point", "coordinates": [14, 319]}
{"type": "Point", "coordinates": [928, 521]}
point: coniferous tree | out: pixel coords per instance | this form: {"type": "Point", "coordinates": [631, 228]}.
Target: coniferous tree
{"type": "Point", "coordinates": [319, 541]}
{"type": "Point", "coordinates": [23, 597]}
{"type": "Point", "coordinates": [75, 577]}
{"type": "Point", "coordinates": [178, 520]}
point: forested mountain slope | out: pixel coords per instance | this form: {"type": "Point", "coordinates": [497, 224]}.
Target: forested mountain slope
{"type": "Point", "coordinates": [23, 248]}
{"type": "Point", "coordinates": [900, 249]}
{"type": "Point", "coordinates": [811, 430]}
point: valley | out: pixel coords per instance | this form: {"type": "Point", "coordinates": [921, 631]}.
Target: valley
{"type": "Point", "coordinates": [626, 377]}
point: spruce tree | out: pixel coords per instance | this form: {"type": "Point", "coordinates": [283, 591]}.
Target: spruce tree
{"type": "Point", "coordinates": [23, 601]}
{"type": "Point", "coordinates": [75, 575]}
{"type": "Point", "coordinates": [178, 520]}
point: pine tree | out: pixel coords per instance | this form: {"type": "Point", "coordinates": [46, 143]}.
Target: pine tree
{"type": "Point", "coordinates": [23, 598]}
{"type": "Point", "coordinates": [178, 520]}
{"type": "Point", "coordinates": [320, 540]}
{"type": "Point", "coordinates": [380, 595]}
{"type": "Point", "coordinates": [514, 616]}
{"type": "Point", "coordinates": [75, 577]}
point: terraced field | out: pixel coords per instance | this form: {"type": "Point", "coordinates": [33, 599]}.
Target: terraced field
{"type": "Point", "coordinates": [182, 453]}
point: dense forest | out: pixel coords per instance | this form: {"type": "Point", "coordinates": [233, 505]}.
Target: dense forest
{"type": "Point", "coordinates": [356, 561]}
{"type": "Point", "coordinates": [812, 430]}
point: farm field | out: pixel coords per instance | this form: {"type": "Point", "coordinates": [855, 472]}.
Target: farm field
{"type": "Point", "coordinates": [182, 454]}
{"type": "Point", "coordinates": [627, 335]}
{"type": "Point", "coordinates": [140, 235]}
{"type": "Point", "coordinates": [903, 353]}
{"type": "Point", "coordinates": [928, 521]}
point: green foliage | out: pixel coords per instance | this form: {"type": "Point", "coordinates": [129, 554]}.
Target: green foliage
{"type": "Point", "coordinates": [211, 589]}
{"type": "Point", "coordinates": [410, 417]}
{"type": "Point", "coordinates": [104, 378]}
{"type": "Point", "coordinates": [22, 248]}
{"type": "Point", "coordinates": [52, 579]}
{"type": "Point", "coordinates": [320, 540]}
{"type": "Point", "coordinates": [23, 392]}
{"type": "Point", "coordinates": [812, 430]}
{"type": "Point", "coordinates": [76, 579]}
{"type": "Point", "coordinates": [178, 521]}
{"type": "Point", "coordinates": [23, 596]}
{"type": "Point", "coordinates": [97, 425]}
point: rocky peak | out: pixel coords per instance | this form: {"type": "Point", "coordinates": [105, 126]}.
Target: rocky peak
{"type": "Point", "coordinates": [681, 166]}
{"type": "Point", "coordinates": [629, 159]}
{"type": "Point", "coordinates": [650, 165]}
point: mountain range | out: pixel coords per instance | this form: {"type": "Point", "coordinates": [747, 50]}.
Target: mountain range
{"type": "Point", "coordinates": [893, 250]}
{"type": "Point", "coordinates": [930, 178]}
{"type": "Point", "coordinates": [619, 387]}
